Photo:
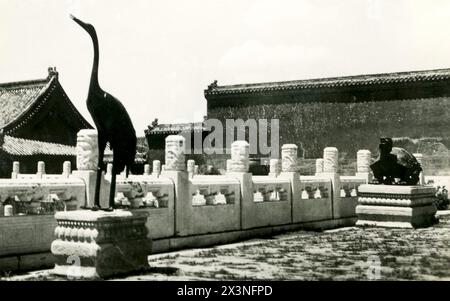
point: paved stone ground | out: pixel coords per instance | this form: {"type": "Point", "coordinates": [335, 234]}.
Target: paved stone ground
{"type": "Point", "coordinates": [342, 254]}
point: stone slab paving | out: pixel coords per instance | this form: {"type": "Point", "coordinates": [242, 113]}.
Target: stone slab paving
{"type": "Point", "coordinates": [341, 254]}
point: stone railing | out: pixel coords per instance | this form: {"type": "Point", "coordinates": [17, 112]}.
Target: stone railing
{"type": "Point", "coordinates": [214, 190]}
{"type": "Point", "coordinates": [213, 205]}
{"type": "Point", "coordinates": [182, 203]}
{"type": "Point", "coordinates": [316, 199]}
{"type": "Point", "coordinates": [148, 192]}
{"type": "Point", "coordinates": [28, 203]}
{"type": "Point", "coordinates": [40, 193]}
{"type": "Point", "coordinates": [268, 189]}
{"type": "Point", "coordinates": [349, 185]}
{"type": "Point", "coordinates": [342, 189]}
{"type": "Point", "coordinates": [313, 187]}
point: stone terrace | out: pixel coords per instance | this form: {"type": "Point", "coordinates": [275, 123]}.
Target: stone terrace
{"type": "Point", "coordinates": [343, 254]}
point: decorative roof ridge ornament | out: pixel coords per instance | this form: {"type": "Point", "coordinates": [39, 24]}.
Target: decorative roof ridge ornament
{"type": "Point", "coordinates": [52, 72]}
{"type": "Point", "coordinates": [212, 85]}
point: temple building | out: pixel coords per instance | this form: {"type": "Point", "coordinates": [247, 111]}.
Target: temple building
{"type": "Point", "coordinates": [156, 134]}
{"type": "Point", "coordinates": [38, 123]}
{"type": "Point", "coordinates": [350, 113]}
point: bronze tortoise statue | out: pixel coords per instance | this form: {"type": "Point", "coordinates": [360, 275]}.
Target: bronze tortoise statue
{"type": "Point", "coordinates": [395, 166]}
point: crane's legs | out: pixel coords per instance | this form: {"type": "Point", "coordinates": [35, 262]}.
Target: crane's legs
{"type": "Point", "coordinates": [101, 151]}
{"type": "Point", "coordinates": [112, 192]}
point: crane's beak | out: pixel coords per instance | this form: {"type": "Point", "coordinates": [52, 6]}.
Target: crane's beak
{"type": "Point", "coordinates": [81, 23]}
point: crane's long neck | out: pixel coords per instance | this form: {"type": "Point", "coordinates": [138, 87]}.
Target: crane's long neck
{"type": "Point", "coordinates": [94, 74]}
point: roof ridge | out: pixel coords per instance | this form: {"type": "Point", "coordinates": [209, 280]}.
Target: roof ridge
{"type": "Point", "coordinates": [392, 75]}
{"type": "Point", "coordinates": [25, 82]}
{"type": "Point", "coordinates": [39, 141]}
{"type": "Point", "coordinates": [178, 123]}
{"type": "Point", "coordinates": [28, 147]}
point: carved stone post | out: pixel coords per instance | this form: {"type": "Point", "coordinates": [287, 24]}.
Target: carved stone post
{"type": "Point", "coordinates": [147, 169]}
{"type": "Point", "coordinates": [191, 168]}
{"type": "Point", "coordinates": [363, 160]}
{"type": "Point", "coordinates": [190, 165]}
{"type": "Point", "coordinates": [87, 150]}
{"type": "Point", "coordinates": [109, 168]}
{"type": "Point", "coordinates": [419, 158]}
{"type": "Point", "coordinates": [275, 167]}
{"type": "Point", "coordinates": [156, 168]}
{"type": "Point", "coordinates": [175, 169]}
{"type": "Point", "coordinates": [175, 158]}
{"type": "Point", "coordinates": [87, 160]}
{"type": "Point", "coordinates": [40, 169]}
{"type": "Point", "coordinates": [15, 170]}
{"type": "Point", "coordinates": [330, 160]}
{"type": "Point", "coordinates": [330, 170]}
{"type": "Point", "coordinates": [228, 165]}
{"type": "Point", "coordinates": [238, 167]}
{"type": "Point", "coordinates": [289, 170]}
{"type": "Point", "coordinates": [67, 169]}
{"type": "Point", "coordinates": [319, 166]}
{"type": "Point", "coordinates": [239, 157]}
{"type": "Point", "coordinates": [289, 161]}
{"type": "Point", "coordinates": [8, 210]}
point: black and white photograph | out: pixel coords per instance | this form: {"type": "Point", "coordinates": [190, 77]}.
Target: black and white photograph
{"type": "Point", "coordinates": [224, 146]}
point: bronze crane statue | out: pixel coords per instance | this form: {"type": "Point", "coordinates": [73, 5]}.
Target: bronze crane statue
{"type": "Point", "coordinates": [113, 125]}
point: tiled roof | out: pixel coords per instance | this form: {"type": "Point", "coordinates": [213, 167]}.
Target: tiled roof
{"type": "Point", "coordinates": [21, 101]}
{"type": "Point", "coordinates": [24, 147]}
{"type": "Point", "coordinates": [16, 97]}
{"type": "Point", "coordinates": [347, 81]}
{"type": "Point", "coordinates": [175, 128]}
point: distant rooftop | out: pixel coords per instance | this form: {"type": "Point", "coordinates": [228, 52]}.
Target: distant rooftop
{"type": "Point", "coordinates": [175, 128]}
{"type": "Point", "coordinates": [346, 81]}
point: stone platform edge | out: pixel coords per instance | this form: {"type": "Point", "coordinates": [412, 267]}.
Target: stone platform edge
{"type": "Point", "coordinates": [46, 260]}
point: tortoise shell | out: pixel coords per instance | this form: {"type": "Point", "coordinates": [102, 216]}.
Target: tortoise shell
{"type": "Point", "coordinates": [407, 160]}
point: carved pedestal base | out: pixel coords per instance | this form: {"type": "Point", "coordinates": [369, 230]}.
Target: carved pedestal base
{"type": "Point", "coordinates": [395, 206]}
{"type": "Point", "coordinates": [98, 244]}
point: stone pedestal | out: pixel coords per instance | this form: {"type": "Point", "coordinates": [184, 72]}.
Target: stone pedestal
{"type": "Point", "coordinates": [395, 206]}
{"type": "Point", "coordinates": [98, 244]}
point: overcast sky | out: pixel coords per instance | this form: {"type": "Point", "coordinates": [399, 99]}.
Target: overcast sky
{"type": "Point", "coordinates": [157, 57]}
